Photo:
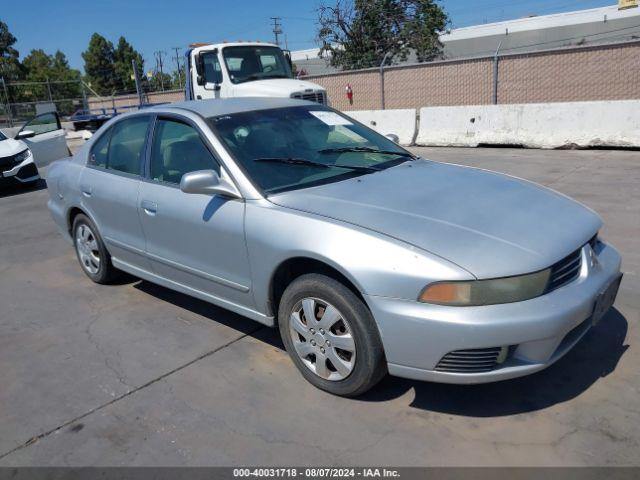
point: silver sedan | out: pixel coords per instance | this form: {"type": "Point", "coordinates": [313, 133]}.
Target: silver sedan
{"type": "Point", "coordinates": [368, 259]}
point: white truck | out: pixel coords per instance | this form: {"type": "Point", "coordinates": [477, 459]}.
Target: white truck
{"type": "Point", "coordinates": [245, 69]}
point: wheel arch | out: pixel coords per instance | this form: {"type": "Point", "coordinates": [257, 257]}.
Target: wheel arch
{"type": "Point", "coordinates": [290, 269]}
{"type": "Point", "coordinates": [71, 216]}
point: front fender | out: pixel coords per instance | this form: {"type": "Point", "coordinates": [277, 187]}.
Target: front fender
{"type": "Point", "coordinates": [376, 264]}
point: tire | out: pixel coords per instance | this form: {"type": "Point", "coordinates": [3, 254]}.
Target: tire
{"type": "Point", "coordinates": [93, 256]}
{"type": "Point", "coordinates": [314, 347]}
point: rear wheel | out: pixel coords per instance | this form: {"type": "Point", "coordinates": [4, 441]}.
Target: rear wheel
{"type": "Point", "coordinates": [331, 336]}
{"type": "Point", "coordinates": [92, 254]}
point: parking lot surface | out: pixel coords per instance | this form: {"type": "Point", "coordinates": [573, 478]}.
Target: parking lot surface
{"type": "Point", "coordinates": [135, 374]}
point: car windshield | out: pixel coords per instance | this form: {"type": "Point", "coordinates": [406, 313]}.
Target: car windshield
{"type": "Point", "coordinates": [2, 137]}
{"type": "Point", "coordinates": [247, 63]}
{"type": "Point", "coordinates": [297, 147]}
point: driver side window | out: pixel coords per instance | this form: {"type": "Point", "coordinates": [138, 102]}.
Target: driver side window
{"type": "Point", "coordinates": [212, 69]}
{"type": "Point", "coordinates": [178, 149]}
{"type": "Point", "coordinates": [45, 123]}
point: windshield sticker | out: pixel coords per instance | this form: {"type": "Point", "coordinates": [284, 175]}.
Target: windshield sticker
{"type": "Point", "coordinates": [330, 118]}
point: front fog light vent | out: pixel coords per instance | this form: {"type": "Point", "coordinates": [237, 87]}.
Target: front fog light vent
{"type": "Point", "coordinates": [476, 360]}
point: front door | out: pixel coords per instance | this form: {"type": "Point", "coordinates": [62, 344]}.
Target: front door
{"type": "Point", "coordinates": [49, 142]}
{"type": "Point", "coordinates": [194, 240]}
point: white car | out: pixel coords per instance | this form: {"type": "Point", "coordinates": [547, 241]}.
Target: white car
{"type": "Point", "coordinates": [40, 141]}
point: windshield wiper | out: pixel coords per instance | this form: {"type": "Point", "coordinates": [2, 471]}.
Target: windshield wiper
{"type": "Point", "coordinates": [366, 150]}
{"type": "Point", "coordinates": [310, 163]}
{"type": "Point", "coordinates": [291, 161]}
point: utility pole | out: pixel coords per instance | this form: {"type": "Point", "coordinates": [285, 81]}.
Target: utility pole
{"type": "Point", "coordinates": [159, 64]}
{"type": "Point", "coordinates": [177, 50]}
{"type": "Point", "coordinates": [277, 28]}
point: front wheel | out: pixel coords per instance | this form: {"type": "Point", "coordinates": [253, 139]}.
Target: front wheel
{"type": "Point", "coordinates": [331, 336]}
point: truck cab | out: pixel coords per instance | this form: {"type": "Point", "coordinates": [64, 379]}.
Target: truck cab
{"type": "Point", "coordinates": [245, 69]}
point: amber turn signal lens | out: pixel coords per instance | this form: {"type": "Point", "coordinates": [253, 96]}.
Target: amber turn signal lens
{"type": "Point", "coordinates": [447, 293]}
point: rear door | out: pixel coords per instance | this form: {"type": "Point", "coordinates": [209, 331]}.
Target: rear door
{"type": "Point", "coordinates": [110, 187]}
{"type": "Point", "coordinates": [49, 143]}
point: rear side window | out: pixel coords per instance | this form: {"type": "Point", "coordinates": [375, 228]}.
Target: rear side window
{"type": "Point", "coordinates": [127, 144]}
{"type": "Point", "coordinates": [100, 150]}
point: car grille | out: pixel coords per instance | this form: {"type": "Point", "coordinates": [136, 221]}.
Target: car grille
{"type": "Point", "coordinates": [9, 162]}
{"type": "Point", "coordinates": [565, 271]}
{"type": "Point", "coordinates": [476, 360]}
{"type": "Point", "coordinates": [317, 97]}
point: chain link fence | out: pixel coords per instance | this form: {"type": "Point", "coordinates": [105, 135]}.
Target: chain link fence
{"type": "Point", "coordinates": [20, 101]}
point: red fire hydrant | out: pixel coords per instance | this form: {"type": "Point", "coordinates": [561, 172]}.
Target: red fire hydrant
{"type": "Point", "coordinates": [349, 91]}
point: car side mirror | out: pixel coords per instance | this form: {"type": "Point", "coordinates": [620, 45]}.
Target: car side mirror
{"type": "Point", "coordinates": [208, 182]}
{"type": "Point", "coordinates": [25, 134]}
{"type": "Point", "coordinates": [393, 137]}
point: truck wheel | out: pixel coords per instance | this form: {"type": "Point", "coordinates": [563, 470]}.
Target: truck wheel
{"type": "Point", "coordinates": [331, 336]}
{"type": "Point", "coordinates": [92, 254]}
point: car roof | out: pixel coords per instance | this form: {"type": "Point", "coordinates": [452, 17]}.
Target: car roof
{"type": "Point", "coordinates": [223, 106]}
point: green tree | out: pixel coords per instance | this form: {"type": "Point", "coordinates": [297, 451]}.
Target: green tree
{"type": "Point", "coordinates": [10, 67]}
{"type": "Point", "coordinates": [159, 82]}
{"type": "Point", "coordinates": [177, 79]}
{"type": "Point", "coordinates": [124, 54]}
{"type": "Point", "coordinates": [99, 65]}
{"type": "Point", "coordinates": [53, 77]}
{"type": "Point", "coordinates": [360, 33]}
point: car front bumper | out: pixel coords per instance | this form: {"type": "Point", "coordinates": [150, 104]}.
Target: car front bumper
{"type": "Point", "coordinates": [24, 172]}
{"type": "Point", "coordinates": [537, 332]}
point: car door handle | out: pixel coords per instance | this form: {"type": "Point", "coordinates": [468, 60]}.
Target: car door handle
{"type": "Point", "coordinates": [86, 190]}
{"type": "Point", "coordinates": [150, 208]}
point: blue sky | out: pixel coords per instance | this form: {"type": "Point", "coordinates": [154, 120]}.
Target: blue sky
{"type": "Point", "coordinates": [161, 25]}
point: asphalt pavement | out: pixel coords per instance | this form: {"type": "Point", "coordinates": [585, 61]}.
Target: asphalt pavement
{"type": "Point", "coordinates": [135, 374]}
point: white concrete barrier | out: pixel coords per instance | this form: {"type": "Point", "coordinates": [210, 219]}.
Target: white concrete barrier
{"type": "Point", "coordinates": [543, 125]}
{"type": "Point", "coordinates": [399, 122]}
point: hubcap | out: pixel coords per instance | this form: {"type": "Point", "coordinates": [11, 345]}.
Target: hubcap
{"type": "Point", "coordinates": [87, 248]}
{"type": "Point", "coordinates": [322, 339]}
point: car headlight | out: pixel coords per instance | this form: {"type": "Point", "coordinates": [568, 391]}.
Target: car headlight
{"type": "Point", "coordinates": [487, 292]}
{"type": "Point", "coordinates": [22, 156]}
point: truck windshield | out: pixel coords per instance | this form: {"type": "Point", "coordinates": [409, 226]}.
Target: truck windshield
{"type": "Point", "coordinates": [247, 63]}
{"type": "Point", "coordinates": [290, 148]}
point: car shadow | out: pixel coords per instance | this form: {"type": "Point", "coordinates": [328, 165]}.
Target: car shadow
{"type": "Point", "coordinates": [200, 307]}
{"type": "Point", "coordinates": [13, 190]}
{"type": "Point", "coordinates": [595, 356]}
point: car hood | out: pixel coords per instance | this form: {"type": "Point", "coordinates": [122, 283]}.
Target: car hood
{"type": "Point", "coordinates": [10, 147]}
{"type": "Point", "coordinates": [276, 87]}
{"type": "Point", "coordinates": [490, 224]}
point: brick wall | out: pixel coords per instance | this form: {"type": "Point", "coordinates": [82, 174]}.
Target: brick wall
{"type": "Point", "coordinates": [603, 73]}
{"type": "Point", "coordinates": [608, 72]}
